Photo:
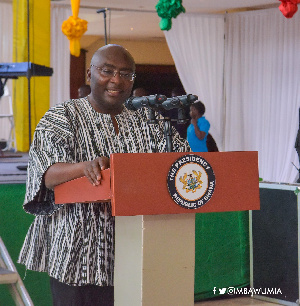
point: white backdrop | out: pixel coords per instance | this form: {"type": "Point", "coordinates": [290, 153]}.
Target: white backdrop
{"type": "Point", "coordinates": [261, 94]}
{"type": "Point", "coordinates": [6, 47]}
{"type": "Point", "coordinates": [196, 43]}
{"type": "Point", "coordinates": [60, 56]}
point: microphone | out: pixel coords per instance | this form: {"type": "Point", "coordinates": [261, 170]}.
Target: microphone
{"type": "Point", "coordinates": [179, 101]}
{"type": "Point", "coordinates": [103, 10]}
{"type": "Point", "coordinates": [153, 101]}
{"type": "Point", "coordinates": [187, 100]}
{"type": "Point", "coordinates": [171, 103]}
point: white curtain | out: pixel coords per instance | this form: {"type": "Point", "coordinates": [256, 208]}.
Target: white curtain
{"type": "Point", "coordinates": [196, 43]}
{"type": "Point", "coordinates": [262, 89]}
{"type": "Point", "coordinates": [261, 98]}
{"type": "Point", "coordinates": [6, 47]}
{"type": "Point", "coordinates": [60, 56]}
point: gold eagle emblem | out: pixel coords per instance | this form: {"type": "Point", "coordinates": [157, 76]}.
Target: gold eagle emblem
{"type": "Point", "coordinates": [191, 181]}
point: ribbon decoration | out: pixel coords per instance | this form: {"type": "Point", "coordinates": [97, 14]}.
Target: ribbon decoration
{"type": "Point", "coordinates": [288, 7]}
{"type": "Point", "coordinates": [74, 28]}
{"type": "Point", "coordinates": [168, 9]}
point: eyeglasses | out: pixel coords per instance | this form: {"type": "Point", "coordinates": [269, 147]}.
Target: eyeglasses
{"type": "Point", "coordinates": [109, 73]}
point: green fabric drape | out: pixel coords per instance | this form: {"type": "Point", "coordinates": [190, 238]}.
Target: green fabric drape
{"type": "Point", "coordinates": [14, 225]}
{"type": "Point", "coordinates": [221, 252]}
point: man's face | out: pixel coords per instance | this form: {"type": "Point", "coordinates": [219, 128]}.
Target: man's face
{"type": "Point", "coordinates": [110, 92]}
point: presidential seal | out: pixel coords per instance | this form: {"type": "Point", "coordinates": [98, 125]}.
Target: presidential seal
{"type": "Point", "coordinates": [191, 181]}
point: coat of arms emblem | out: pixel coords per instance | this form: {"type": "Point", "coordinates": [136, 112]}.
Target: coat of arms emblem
{"type": "Point", "coordinates": [191, 181]}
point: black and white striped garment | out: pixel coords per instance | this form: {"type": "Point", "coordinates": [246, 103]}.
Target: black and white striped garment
{"type": "Point", "coordinates": [74, 243]}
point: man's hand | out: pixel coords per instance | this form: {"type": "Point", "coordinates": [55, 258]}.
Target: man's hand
{"type": "Point", "coordinates": [62, 172]}
{"type": "Point", "coordinates": [93, 169]}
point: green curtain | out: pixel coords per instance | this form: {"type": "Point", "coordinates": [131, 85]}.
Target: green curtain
{"type": "Point", "coordinates": [221, 252]}
{"type": "Point", "coordinates": [14, 225]}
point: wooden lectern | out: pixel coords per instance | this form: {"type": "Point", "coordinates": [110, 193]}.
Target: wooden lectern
{"type": "Point", "coordinates": [155, 237]}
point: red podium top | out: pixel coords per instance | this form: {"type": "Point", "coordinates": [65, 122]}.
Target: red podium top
{"type": "Point", "coordinates": [138, 184]}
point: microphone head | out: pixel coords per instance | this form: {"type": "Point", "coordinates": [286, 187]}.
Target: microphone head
{"type": "Point", "coordinates": [153, 101]}
{"type": "Point", "coordinates": [103, 10]}
{"type": "Point", "coordinates": [134, 103]}
{"type": "Point", "coordinates": [187, 100]}
{"type": "Point", "coordinates": [156, 100]}
{"type": "Point", "coordinates": [171, 103]}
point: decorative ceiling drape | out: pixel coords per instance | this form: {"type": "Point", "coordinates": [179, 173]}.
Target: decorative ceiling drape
{"type": "Point", "coordinates": [6, 34]}
{"type": "Point", "coordinates": [261, 77]}
{"type": "Point", "coordinates": [60, 56]}
{"type": "Point", "coordinates": [196, 43]}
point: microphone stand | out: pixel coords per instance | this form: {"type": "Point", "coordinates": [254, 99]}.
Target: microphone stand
{"type": "Point", "coordinates": [160, 103]}
{"type": "Point", "coordinates": [104, 15]}
{"type": "Point", "coordinates": [168, 134]}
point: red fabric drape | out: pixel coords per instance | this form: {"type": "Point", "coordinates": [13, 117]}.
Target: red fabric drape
{"type": "Point", "coordinates": [289, 7]}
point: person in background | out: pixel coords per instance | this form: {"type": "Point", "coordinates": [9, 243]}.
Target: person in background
{"type": "Point", "coordinates": [84, 90]}
{"type": "Point", "coordinates": [198, 129]}
{"type": "Point", "coordinates": [140, 92]}
{"type": "Point", "coordinates": [74, 243]}
{"type": "Point", "coordinates": [211, 144]}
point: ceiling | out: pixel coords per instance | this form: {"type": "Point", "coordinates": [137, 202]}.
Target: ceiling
{"type": "Point", "coordinates": [138, 19]}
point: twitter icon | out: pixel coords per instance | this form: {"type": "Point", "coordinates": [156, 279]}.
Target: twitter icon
{"type": "Point", "coordinates": [222, 290]}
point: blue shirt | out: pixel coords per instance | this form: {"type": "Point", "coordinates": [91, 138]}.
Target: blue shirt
{"type": "Point", "coordinates": [195, 143]}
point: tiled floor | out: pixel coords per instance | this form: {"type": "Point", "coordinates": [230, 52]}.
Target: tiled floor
{"type": "Point", "coordinates": [237, 301]}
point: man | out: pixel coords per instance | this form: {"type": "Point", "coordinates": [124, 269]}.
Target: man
{"type": "Point", "coordinates": [74, 243]}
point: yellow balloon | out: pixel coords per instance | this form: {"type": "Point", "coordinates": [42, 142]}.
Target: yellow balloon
{"type": "Point", "coordinates": [75, 7]}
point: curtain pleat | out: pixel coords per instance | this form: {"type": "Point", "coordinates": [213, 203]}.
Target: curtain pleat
{"type": "Point", "coordinates": [262, 80]}
{"type": "Point", "coordinates": [196, 43]}
{"type": "Point", "coordinates": [6, 34]}
{"type": "Point", "coordinates": [60, 56]}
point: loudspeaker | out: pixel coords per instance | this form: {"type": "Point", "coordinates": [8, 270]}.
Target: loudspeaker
{"type": "Point", "coordinates": [274, 244]}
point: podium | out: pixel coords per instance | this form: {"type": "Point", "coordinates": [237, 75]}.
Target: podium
{"type": "Point", "coordinates": [155, 204]}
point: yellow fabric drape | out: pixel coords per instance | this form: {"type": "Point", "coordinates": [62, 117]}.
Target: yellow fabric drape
{"type": "Point", "coordinates": [74, 28]}
{"type": "Point", "coordinates": [39, 44]}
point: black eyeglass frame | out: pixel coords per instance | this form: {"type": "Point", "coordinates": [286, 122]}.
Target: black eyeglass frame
{"type": "Point", "coordinates": [128, 76]}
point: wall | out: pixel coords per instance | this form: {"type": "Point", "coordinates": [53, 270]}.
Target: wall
{"type": "Point", "coordinates": [151, 52]}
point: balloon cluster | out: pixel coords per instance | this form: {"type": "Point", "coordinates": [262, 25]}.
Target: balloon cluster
{"type": "Point", "coordinates": [166, 10]}
{"type": "Point", "coordinates": [289, 7]}
{"type": "Point", "coordinates": [74, 28]}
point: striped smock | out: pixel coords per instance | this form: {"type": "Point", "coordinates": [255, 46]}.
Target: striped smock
{"type": "Point", "coordinates": [74, 243]}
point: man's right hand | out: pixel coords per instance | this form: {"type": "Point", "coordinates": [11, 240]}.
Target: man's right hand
{"type": "Point", "coordinates": [62, 172]}
{"type": "Point", "coordinates": [93, 169]}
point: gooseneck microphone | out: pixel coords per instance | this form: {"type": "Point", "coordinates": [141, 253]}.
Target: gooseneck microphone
{"type": "Point", "coordinates": [153, 101]}
{"type": "Point", "coordinates": [159, 102]}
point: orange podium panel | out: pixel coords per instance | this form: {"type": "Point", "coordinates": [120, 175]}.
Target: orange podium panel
{"type": "Point", "coordinates": [81, 190]}
{"type": "Point", "coordinates": [140, 183]}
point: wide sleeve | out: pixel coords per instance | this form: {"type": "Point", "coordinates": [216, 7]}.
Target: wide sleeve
{"type": "Point", "coordinates": [52, 143]}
